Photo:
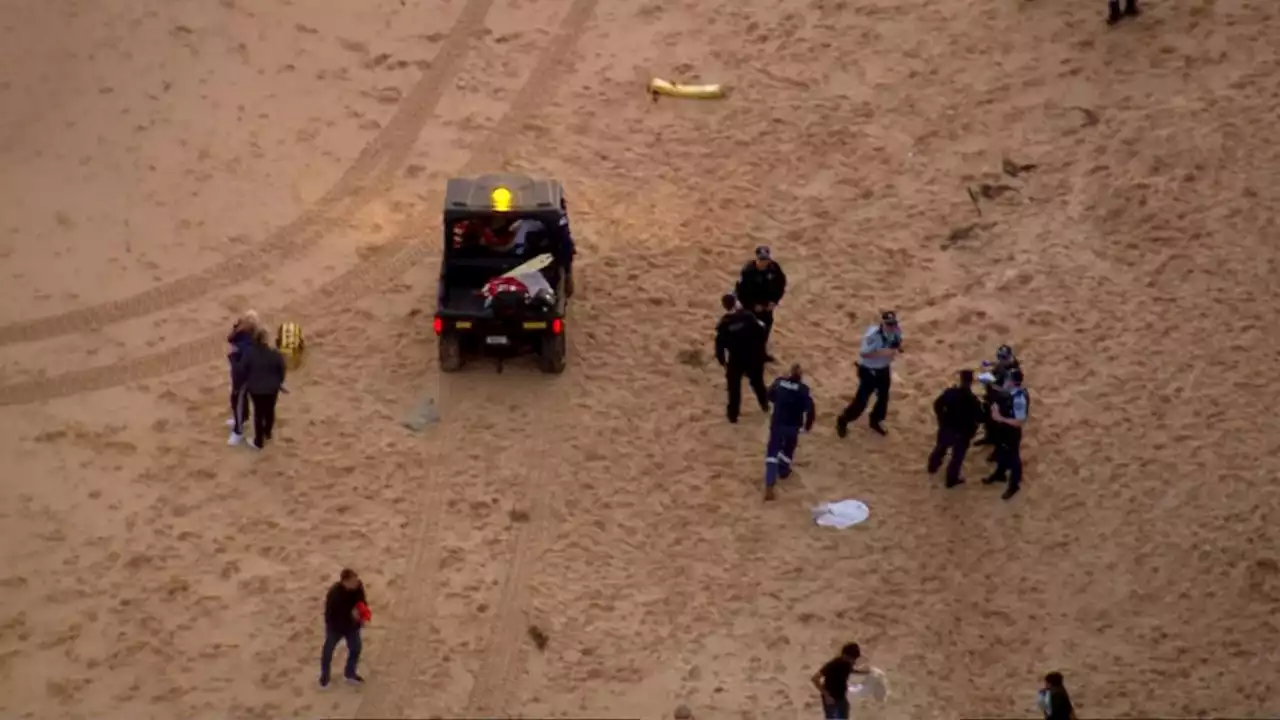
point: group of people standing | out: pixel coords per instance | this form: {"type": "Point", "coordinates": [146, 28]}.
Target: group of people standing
{"type": "Point", "coordinates": [741, 348]}
{"type": "Point", "coordinates": [257, 379]}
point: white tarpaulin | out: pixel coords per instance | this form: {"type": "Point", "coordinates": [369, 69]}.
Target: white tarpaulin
{"type": "Point", "coordinates": [842, 514]}
{"type": "Point", "coordinates": [874, 685]}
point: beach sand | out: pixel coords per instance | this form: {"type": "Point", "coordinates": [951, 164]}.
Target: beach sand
{"type": "Point", "coordinates": [168, 165]}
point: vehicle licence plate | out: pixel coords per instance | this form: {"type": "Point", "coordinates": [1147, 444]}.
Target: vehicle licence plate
{"type": "Point", "coordinates": [496, 340]}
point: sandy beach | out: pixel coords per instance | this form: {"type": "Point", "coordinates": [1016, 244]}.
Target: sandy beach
{"type": "Point", "coordinates": [166, 166]}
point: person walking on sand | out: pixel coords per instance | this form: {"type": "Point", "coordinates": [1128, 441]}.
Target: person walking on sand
{"type": "Point", "coordinates": [262, 370]}
{"type": "Point", "coordinates": [793, 413]}
{"type": "Point", "coordinates": [342, 622]}
{"type": "Point", "coordinates": [1115, 14]}
{"type": "Point", "coordinates": [881, 345]}
{"type": "Point", "coordinates": [959, 412]}
{"type": "Point", "coordinates": [240, 339]}
{"type": "Point", "coordinates": [1054, 700]}
{"type": "Point", "coordinates": [832, 681]}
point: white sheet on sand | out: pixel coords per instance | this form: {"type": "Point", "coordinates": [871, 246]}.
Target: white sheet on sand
{"type": "Point", "coordinates": [842, 514]}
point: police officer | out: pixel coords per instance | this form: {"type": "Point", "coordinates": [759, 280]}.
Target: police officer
{"type": "Point", "coordinates": [881, 345]}
{"type": "Point", "coordinates": [740, 336]}
{"type": "Point", "coordinates": [1011, 413]}
{"type": "Point", "coordinates": [760, 288]}
{"type": "Point", "coordinates": [793, 410]}
{"type": "Point", "coordinates": [959, 412]}
{"type": "Point", "coordinates": [994, 384]}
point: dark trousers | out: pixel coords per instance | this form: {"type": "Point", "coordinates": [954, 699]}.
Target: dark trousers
{"type": "Point", "coordinates": [733, 374]}
{"type": "Point", "coordinates": [955, 442]}
{"type": "Point", "coordinates": [766, 317]}
{"type": "Point", "coordinates": [264, 416]}
{"type": "Point", "coordinates": [838, 710]}
{"type": "Point", "coordinates": [239, 409]}
{"type": "Point", "coordinates": [780, 454]}
{"type": "Point", "coordinates": [870, 382]}
{"type": "Point", "coordinates": [331, 639]}
{"type": "Point", "coordinates": [1009, 459]}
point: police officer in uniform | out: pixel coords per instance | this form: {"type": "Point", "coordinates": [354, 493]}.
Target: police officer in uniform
{"type": "Point", "coordinates": [740, 338]}
{"type": "Point", "coordinates": [760, 288]}
{"type": "Point", "coordinates": [959, 412]}
{"type": "Point", "coordinates": [793, 412]}
{"type": "Point", "coordinates": [994, 387]}
{"type": "Point", "coordinates": [881, 345]}
{"type": "Point", "coordinates": [1011, 414]}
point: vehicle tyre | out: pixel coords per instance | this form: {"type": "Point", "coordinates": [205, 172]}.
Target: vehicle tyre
{"type": "Point", "coordinates": [551, 356]}
{"type": "Point", "coordinates": [450, 352]}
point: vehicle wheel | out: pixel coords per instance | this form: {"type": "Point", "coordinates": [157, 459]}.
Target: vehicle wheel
{"type": "Point", "coordinates": [551, 357]}
{"type": "Point", "coordinates": [450, 352]}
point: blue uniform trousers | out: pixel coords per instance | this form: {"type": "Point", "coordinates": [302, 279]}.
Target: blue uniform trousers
{"type": "Point", "coordinates": [780, 453]}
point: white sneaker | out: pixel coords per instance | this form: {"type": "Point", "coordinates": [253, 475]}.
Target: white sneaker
{"type": "Point", "coordinates": [235, 439]}
{"type": "Point", "coordinates": [231, 422]}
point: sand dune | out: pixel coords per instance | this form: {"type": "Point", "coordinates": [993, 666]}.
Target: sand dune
{"type": "Point", "coordinates": [165, 165]}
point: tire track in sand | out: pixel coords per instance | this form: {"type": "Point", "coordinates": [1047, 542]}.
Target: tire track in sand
{"type": "Point", "coordinates": [365, 179]}
{"type": "Point", "coordinates": [410, 648]}
{"type": "Point", "coordinates": [408, 248]}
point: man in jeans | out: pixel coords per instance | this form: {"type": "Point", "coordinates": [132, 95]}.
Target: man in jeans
{"type": "Point", "coordinates": [342, 621]}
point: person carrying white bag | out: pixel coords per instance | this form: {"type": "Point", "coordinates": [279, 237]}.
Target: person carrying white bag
{"type": "Point", "coordinates": [832, 681]}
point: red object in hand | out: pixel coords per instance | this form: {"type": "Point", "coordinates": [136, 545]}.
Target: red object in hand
{"type": "Point", "coordinates": [365, 613]}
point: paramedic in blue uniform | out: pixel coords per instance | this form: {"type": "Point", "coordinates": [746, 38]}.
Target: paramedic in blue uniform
{"type": "Point", "coordinates": [740, 351]}
{"type": "Point", "coordinates": [760, 288]}
{"type": "Point", "coordinates": [1011, 413]}
{"type": "Point", "coordinates": [793, 413]}
{"type": "Point", "coordinates": [881, 345]}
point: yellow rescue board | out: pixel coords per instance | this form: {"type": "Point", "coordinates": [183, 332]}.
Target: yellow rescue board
{"type": "Point", "coordinates": [658, 86]}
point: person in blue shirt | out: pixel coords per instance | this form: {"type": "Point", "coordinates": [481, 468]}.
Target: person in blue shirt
{"type": "Point", "coordinates": [793, 413]}
{"type": "Point", "coordinates": [1011, 413]}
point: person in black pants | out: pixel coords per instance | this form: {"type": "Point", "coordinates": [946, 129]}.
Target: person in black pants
{"type": "Point", "coordinates": [760, 288]}
{"type": "Point", "coordinates": [958, 411]}
{"type": "Point", "coordinates": [740, 338]}
{"type": "Point", "coordinates": [832, 681]}
{"type": "Point", "coordinates": [342, 622]}
{"type": "Point", "coordinates": [881, 345]}
{"type": "Point", "coordinates": [263, 371]}
{"type": "Point", "coordinates": [1115, 14]}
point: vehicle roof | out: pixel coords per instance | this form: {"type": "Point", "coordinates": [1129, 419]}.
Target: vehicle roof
{"type": "Point", "coordinates": [527, 194]}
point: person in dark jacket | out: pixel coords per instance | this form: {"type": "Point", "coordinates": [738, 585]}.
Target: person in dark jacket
{"type": "Point", "coordinates": [760, 288]}
{"type": "Point", "coordinates": [342, 622]}
{"type": "Point", "coordinates": [1054, 700]}
{"type": "Point", "coordinates": [793, 413]}
{"type": "Point", "coordinates": [832, 681]}
{"type": "Point", "coordinates": [240, 339]}
{"type": "Point", "coordinates": [958, 412]}
{"type": "Point", "coordinates": [262, 370]}
{"type": "Point", "coordinates": [740, 342]}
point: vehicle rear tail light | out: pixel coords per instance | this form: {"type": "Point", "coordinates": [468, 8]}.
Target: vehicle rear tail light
{"type": "Point", "coordinates": [557, 326]}
{"type": "Point", "coordinates": [437, 325]}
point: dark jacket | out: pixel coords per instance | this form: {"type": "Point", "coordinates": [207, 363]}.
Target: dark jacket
{"type": "Point", "coordinates": [339, 604]}
{"type": "Point", "coordinates": [958, 410]}
{"type": "Point", "coordinates": [261, 370]}
{"type": "Point", "coordinates": [740, 336]}
{"type": "Point", "coordinates": [792, 404]}
{"type": "Point", "coordinates": [240, 340]}
{"type": "Point", "coordinates": [758, 287]}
